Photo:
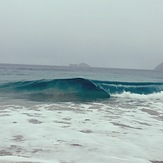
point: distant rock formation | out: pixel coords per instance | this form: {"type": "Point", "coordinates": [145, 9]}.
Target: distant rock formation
{"type": "Point", "coordinates": [83, 65]}
{"type": "Point", "coordinates": [159, 67]}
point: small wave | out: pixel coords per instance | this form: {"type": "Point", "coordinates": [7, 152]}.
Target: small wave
{"type": "Point", "coordinates": [76, 89]}
{"type": "Point", "coordinates": [145, 88]}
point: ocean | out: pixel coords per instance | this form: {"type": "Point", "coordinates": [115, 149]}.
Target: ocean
{"type": "Point", "coordinates": [59, 114]}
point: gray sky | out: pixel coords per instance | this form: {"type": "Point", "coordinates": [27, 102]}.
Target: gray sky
{"type": "Point", "coordinates": [102, 33]}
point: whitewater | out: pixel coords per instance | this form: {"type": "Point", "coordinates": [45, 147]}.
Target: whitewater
{"type": "Point", "coordinates": [52, 114]}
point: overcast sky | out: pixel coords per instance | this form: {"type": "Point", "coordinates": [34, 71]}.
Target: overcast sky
{"type": "Point", "coordinates": [102, 33]}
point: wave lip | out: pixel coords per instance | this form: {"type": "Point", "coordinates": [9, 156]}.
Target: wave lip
{"type": "Point", "coordinates": [75, 89]}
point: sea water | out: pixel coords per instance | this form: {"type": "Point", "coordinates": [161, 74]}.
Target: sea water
{"type": "Point", "coordinates": [80, 115]}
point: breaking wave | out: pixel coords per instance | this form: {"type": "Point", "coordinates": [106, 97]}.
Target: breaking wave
{"type": "Point", "coordinates": [142, 88]}
{"type": "Point", "coordinates": [75, 89]}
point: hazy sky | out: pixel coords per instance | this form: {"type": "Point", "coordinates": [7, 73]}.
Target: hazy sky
{"type": "Point", "coordinates": [103, 33]}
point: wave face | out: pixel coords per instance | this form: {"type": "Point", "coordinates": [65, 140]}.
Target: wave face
{"type": "Point", "coordinates": [76, 89]}
{"type": "Point", "coordinates": [142, 88]}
